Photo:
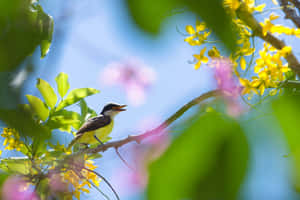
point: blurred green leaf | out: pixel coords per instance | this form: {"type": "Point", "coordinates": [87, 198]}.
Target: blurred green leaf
{"type": "Point", "coordinates": [149, 15]}
{"type": "Point", "coordinates": [3, 177]}
{"type": "Point", "coordinates": [38, 107]}
{"type": "Point", "coordinates": [15, 165]}
{"type": "Point", "coordinates": [45, 46]}
{"type": "Point", "coordinates": [63, 84]}
{"type": "Point", "coordinates": [47, 24]}
{"type": "Point", "coordinates": [25, 108]}
{"type": "Point", "coordinates": [75, 96]}
{"type": "Point", "coordinates": [205, 162]}
{"type": "Point", "coordinates": [23, 122]}
{"type": "Point", "coordinates": [47, 92]}
{"type": "Point", "coordinates": [23, 27]}
{"type": "Point", "coordinates": [287, 109]}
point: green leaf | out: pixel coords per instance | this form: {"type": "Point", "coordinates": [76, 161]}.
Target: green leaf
{"type": "Point", "coordinates": [23, 122]}
{"type": "Point", "coordinates": [205, 162]}
{"type": "Point", "coordinates": [287, 109]}
{"type": "Point", "coordinates": [3, 177]}
{"type": "Point", "coordinates": [46, 23]}
{"type": "Point", "coordinates": [38, 107]}
{"type": "Point", "coordinates": [62, 84]}
{"type": "Point", "coordinates": [16, 165]}
{"type": "Point", "coordinates": [91, 113]}
{"type": "Point", "coordinates": [86, 112]}
{"type": "Point", "coordinates": [83, 109]}
{"type": "Point", "coordinates": [94, 156]}
{"type": "Point", "coordinates": [47, 92]}
{"type": "Point", "coordinates": [149, 16]}
{"type": "Point", "coordinates": [63, 120]}
{"type": "Point", "coordinates": [45, 47]}
{"type": "Point", "coordinates": [25, 26]}
{"type": "Point", "coordinates": [75, 96]}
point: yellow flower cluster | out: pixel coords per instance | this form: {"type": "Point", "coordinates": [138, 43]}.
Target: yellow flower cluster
{"type": "Point", "coordinates": [235, 4]}
{"type": "Point", "coordinates": [269, 67]}
{"type": "Point", "coordinates": [12, 139]}
{"type": "Point", "coordinates": [268, 26]}
{"type": "Point", "coordinates": [80, 179]}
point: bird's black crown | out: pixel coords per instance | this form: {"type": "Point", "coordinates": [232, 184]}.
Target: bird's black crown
{"type": "Point", "coordinates": [110, 106]}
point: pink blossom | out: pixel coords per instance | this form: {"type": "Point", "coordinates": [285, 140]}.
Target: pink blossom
{"type": "Point", "coordinates": [152, 147]}
{"type": "Point", "coordinates": [228, 83]}
{"type": "Point", "coordinates": [225, 79]}
{"type": "Point", "coordinates": [15, 188]}
{"type": "Point", "coordinates": [132, 76]}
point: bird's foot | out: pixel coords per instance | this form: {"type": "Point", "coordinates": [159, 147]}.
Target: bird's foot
{"type": "Point", "coordinates": [101, 143]}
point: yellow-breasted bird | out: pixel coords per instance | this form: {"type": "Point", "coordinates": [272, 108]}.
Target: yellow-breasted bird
{"type": "Point", "coordinates": [98, 128]}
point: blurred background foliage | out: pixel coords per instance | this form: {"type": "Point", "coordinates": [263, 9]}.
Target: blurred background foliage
{"type": "Point", "coordinates": [209, 159]}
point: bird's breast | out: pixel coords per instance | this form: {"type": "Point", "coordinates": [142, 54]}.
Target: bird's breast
{"type": "Point", "coordinates": [103, 132]}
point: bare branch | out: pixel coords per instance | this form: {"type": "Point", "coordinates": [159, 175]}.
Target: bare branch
{"type": "Point", "coordinates": [157, 130]}
{"type": "Point", "coordinates": [290, 11]}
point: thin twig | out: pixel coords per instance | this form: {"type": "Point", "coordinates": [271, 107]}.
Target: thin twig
{"type": "Point", "coordinates": [97, 188]}
{"type": "Point", "coordinates": [123, 160]}
{"type": "Point", "coordinates": [104, 179]}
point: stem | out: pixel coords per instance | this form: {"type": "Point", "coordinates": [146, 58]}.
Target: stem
{"type": "Point", "coordinates": [106, 181]}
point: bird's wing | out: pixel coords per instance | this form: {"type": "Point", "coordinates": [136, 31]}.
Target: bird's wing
{"type": "Point", "coordinates": [93, 124]}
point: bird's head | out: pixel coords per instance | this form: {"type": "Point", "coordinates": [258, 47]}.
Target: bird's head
{"type": "Point", "coordinates": [112, 109]}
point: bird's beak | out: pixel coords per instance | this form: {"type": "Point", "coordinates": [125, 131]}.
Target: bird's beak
{"type": "Point", "coordinates": [121, 108]}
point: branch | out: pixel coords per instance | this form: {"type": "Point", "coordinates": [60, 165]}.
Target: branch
{"type": "Point", "coordinates": [290, 12]}
{"type": "Point", "coordinates": [290, 84]}
{"type": "Point", "coordinates": [296, 4]}
{"type": "Point", "coordinates": [157, 130]}
{"type": "Point", "coordinates": [249, 20]}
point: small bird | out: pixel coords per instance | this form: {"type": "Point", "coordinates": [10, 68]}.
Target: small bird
{"type": "Point", "coordinates": [98, 128]}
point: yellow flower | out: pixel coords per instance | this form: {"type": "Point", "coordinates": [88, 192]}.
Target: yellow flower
{"type": "Point", "coordinates": [243, 63]}
{"type": "Point", "coordinates": [268, 25]}
{"type": "Point", "coordinates": [247, 87]}
{"type": "Point", "coordinates": [81, 179]}
{"type": "Point", "coordinates": [200, 58]}
{"type": "Point", "coordinates": [232, 4]}
{"type": "Point", "coordinates": [252, 7]}
{"type": "Point", "coordinates": [260, 8]}
{"type": "Point", "coordinates": [196, 38]}
{"type": "Point", "coordinates": [263, 81]}
{"type": "Point", "coordinates": [12, 139]}
{"type": "Point", "coordinates": [285, 51]}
